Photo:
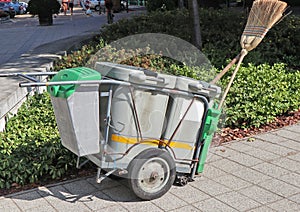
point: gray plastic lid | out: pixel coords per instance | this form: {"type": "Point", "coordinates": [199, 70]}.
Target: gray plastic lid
{"type": "Point", "coordinates": [135, 75]}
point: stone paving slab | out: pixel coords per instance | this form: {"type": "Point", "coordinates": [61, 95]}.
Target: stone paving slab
{"type": "Point", "coordinates": [272, 185]}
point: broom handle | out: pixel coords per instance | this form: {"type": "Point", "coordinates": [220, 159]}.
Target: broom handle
{"type": "Point", "coordinates": [224, 71]}
{"type": "Point", "coordinates": [243, 53]}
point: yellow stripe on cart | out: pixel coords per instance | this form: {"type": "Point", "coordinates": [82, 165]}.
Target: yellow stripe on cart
{"type": "Point", "coordinates": [153, 142]}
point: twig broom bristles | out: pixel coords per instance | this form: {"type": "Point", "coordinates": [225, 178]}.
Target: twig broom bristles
{"type": "Point", "coordinates": [263, 15]}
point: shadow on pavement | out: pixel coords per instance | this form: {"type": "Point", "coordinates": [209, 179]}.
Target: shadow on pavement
{"type": "Point", "coordinates": [82, 191]}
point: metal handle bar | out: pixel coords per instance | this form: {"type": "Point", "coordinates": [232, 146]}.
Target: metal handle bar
{"type": "Point", "coordinates": [27, 74]}
{"type": "Point", "coordinates": [87, 82]}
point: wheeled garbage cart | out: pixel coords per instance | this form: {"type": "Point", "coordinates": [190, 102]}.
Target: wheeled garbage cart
{"type": "Point", "coordinates": [152, 128]}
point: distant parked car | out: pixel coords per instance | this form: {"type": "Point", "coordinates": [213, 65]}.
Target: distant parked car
{"type": "Point", "coordinates": [94, 4]}
{"type": "Point", "coordinates": [18, 8]}
{"type": "Point", "coordinates": [6, 7]}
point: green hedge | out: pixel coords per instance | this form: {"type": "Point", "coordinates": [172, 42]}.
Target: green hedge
{"type": "Point", "coordinates": [293, 3]}
{"type": "Point", "coordinates": [30, 148]}
{"type": "Point", "coordinates": [260, 94]}
{"type": "Point", "coordinates": [153, 5]}
{"type": "Point", "coordinates": [221, 31]}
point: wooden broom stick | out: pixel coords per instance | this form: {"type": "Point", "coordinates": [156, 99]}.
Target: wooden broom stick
{"type": "Point", "coordinates": [243, 53]}
{"type": "Point", "coordinates": [224, 71]}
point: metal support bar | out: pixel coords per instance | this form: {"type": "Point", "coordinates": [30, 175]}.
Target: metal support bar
{"type": "Point", "coordinates": [40, 73]}
{"type": "Point", "coordinates": [28, 74]}
{"type": "Point", "coordinates": [136, 118]}
{"type": "Point", "coordinates": [78, 165]}
{"type": "Point", "coordinates": [180, 122]}
{"type": "Point", "coordinates": [108, 117]}
{"type": "Point", "coordinates": [100, 177]}
{"type": "Point", "coordinates": [199, 142]}
{"type": "Point", "coordinates": [32, 79]}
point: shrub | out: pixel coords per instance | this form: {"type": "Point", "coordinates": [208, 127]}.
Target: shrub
{"type": "Point", "coordinates": [30, 148]}
{"type": "Point", "coordinates": [260, 93]}
{"type": "Point", "coordinates": [161, 4]}
{"type": "Point", "coordinates": [79, 57]}
{"type": "Point", "coordinates": [293, 3]}
{"type": "Point", "coordinates": [170, 22]}
{"type": "Point", "coordinates": [221, 31]}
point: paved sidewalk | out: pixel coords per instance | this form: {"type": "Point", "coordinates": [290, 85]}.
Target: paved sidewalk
{"type": "Point", "coordinates": [260, 175]}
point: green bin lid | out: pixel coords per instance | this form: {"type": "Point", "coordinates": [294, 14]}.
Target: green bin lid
{"type": "Point", "coordinates": [72, 74]}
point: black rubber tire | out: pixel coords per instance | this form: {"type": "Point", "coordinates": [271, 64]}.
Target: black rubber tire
{"type": "Point", "coordinates": [153, 162]}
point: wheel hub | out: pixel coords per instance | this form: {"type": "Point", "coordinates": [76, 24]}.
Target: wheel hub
{"type": "Point", "coordinates": [153, 175]}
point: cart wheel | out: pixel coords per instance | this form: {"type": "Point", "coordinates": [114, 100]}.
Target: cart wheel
{"type": "Point", "coordinates": [151, 173]}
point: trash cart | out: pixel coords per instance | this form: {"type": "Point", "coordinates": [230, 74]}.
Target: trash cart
{"type": "Point", "coordinates": [152, 128]}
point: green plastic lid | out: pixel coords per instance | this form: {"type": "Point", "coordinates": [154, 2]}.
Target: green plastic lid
{"type": "Point", "coordinates": [72, 74]}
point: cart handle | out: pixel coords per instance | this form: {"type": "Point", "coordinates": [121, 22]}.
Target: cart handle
{"type": "Point", "coordinates": [31, 84]}
{"type": "Point", "coordinates": [27, 74]}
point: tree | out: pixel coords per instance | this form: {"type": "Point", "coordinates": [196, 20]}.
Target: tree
{"type": "Point", "coordinates": [195, 22]}
{"type": "Point", "coordinates": [180, 4]}
{"type": "Point", "coordinates": [212, 3]}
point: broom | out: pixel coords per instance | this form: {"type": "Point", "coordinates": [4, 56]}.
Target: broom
{"type": "Point", "coordinates": [251, 21]}
{"type": "Point", "coordinates": [263, 15]}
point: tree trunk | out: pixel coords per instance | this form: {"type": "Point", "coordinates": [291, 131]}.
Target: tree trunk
{"type": "Point", "coordinates": [45, 19]}
{"type": "Point", "coordinates": [212, 3]}
{"type": "Point", "coordinates": [180, 4]}
{"type": "Point", "coordinates": [195, 21]}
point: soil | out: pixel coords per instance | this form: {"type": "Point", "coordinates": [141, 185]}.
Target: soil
{"type": "Point", "coordinates": [226, 135]}
{"type": "Point", "coordinates": [229, 134]}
